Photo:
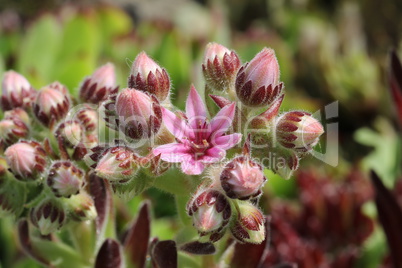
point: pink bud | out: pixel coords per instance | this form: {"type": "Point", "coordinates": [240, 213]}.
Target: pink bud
{"type": "Point", "coordinates": [257, 82]}
{"type": "Point", "coordinates": [220, 67]}
{"type": "Point", "coordinates": [51, 104]}
{"type": "Point", "coordinates": [148, 76]}
{"type": "Point", "coordinates": [211, 212]}
{"type": "Point", "coordinates": [26, 159]}
{"type": "Point", "coordinates": [139, 114]}
{"type": "Point", "coordinates": [19, 114]}
{"type": "Point", "coordinates": [65, 179]}
{"type": "Point", "coordinates": [71, 133]}
{"type": "Point", "coordinates": [249, 225]}
{"type": "Point", "coordinates": [298, 130]}
{"type": "Point", "coordinates": [99, 85]}
{"type": "Point", "coordinates": [16, 91]}
{"type": "Point", "coordinates": [89, 119]}
{"type": "Point", "coordinates": [11, 130]}
{"type": "Point", "coordinates": [242, 178]}
{"type": "Point", "coordinates": [118, 163]}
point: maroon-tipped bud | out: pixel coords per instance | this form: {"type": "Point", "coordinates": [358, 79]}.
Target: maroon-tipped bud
{"type": "Point", "coordinates": [257, 82]}
{"type": "Point", "coordinates": [51, 104]}
{"type": "Point", "coordinates": [298, 130]}
{"type": "Point", "coordinates": [118, 163]}
{"type": "Point", "coordinates": [242, 178]}
{"type": "Point", "coordinates": [70, 132]}
{"type": "Point", "coordinates": [249, 226]}
{"type": "Point", "coordinates": [89, 119]}
{"type": "Point", "coordinates": [65, 179]}
{"type": "Point", "coordinates": [49, 216]}
{"type": "Point", "coordinates": [211, 212]}
{"type": "Point", "coordinates": [16, 91]}
{"type": "Point", "coordinates": [146, 75]}
{"type": "Point", "coordinates": [18, 113]}
{"type": "Point", "coordinates": [99, 85]}
{"type": "Point", "coordinates": [265, 119]}
{"type": "Point", "coordinates": [81, 207]}
{"type": "Point", "coordinates": [139, 114]}
{"type": "Point", "coordinates": [26, 159]}
{"type": "Point", "coordinates": [220, 67]}
{"type": "Point", "coordinates": [108, 112]}
{"type": "Point", "coordinates": [13, 129]}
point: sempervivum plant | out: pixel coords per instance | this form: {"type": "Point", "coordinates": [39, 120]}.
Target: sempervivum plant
{"type": "Point", "coordinates": [64, 168]}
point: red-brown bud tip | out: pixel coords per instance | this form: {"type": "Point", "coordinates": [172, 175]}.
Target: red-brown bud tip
{"type": "Point", "coordinates": [16, 91]}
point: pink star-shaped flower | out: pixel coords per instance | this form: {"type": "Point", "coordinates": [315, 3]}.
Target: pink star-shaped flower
{"type": "Point", "coordinates": [199, 142]}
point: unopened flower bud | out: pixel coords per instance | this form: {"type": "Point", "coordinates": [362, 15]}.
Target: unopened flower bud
{"type": "Point", "coordinates": [11, 130]}
{"type": "Point", "coordinates": [220, 67]}
{"type": "Point", "coordinates": [99, 85]}
{"type": "Point", "coordinates": [108, 112]}
{"type": "Point", "coordinates": [249, 226]}
{"type": "Point", "coordinates": [242, 178]}
{"type": "Point", "coordinates": [257, 82]}
{"type": "Point", "coordinates": [51, 104]}
{"type": "Point", "coordinates": [20, 114]}
{"type": "Point", "coordinates": [49, 216]}
{"type": "Point", "coordinates": [148, 76]}
{"type": "Point", "coordinates": [89, 119]}
{"type": "Point", "coordinates": [81, 207]}
{"type": "Point", "coordinates": [211, 212]}
{"type": "Point", "coordinates": [71, 133]}
{"type": "Point", "coordinates": [298, 130]}
{"type": "Point", "coordinates": [65, 179]}
{"type": "Point", "coordinates": [16, 91]}
{"type": "Point", "coordinates": [117, 163]}
{"type": "Point", "coordinates": [26, 159]}
{"type": "Point", "coordinates": [140, 114]}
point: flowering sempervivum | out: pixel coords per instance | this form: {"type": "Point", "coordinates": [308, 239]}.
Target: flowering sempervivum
{"type": "Point", "coordinates": [257, 82]}
{"type": "Point", "coordinates": [211, 211]}
{"type": "Point", "coordinates": [118, 163]}
{"type": "Point", "coordinates": [148, 76]}
{"type": "Point", "coordinates": [298, 130]}
{"type": "Point", "coordinates": [249, 226]}
{"type": "Point", "coordinates": [242, 178]}
{"type": "Point", "coordinates": [51, 104]}
{"type": "Point", "coordinates": [199, 142]}
{"type": "Point", "coordinates": [16, 91]}
{"type": "Point", "coordinates": [65, 179]}
{"type": "Point", "coordinates": [99, 85]}
{"type": "Point", "coordinates": [48, 216]}
{"type": "Point", "coordinates": [220, 67]}
{"type": "Point", "coordinates": [26, 159]}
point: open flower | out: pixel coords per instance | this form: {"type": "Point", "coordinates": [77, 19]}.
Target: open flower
{"type": "Point", "coordinates": [199, 142]}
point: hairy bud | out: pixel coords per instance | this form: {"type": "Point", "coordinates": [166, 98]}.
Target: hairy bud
{"type": "Point", "coordinates": [65, 179]}
{"type": "Point", "coordinates": [16, 91]}
{"type": "Point", "coordinates": [71, 133]}
{"type": "Point", "coordinates": [249, 225]}
{"type": "Point", "coordinates": [49, 216]}
{"type": "Point", "coordinates": [81, 207]}
{"type": "Point", "coordinates": [89, 119]}
{"type": "Point", "coordinates": [99, 85]}
{"type": "Point", "coordinates": [257, 82]}
{"type": "Point", "coordinates": [13, 129]}
{"type": "Point", "coordinates": [148, 76]}
{"type": "Point", "coordinates": [220, 67]}
{"type": "Point", "coordinates": [51, 104]}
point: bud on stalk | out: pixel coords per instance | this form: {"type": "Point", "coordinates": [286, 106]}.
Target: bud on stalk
{"type": "Point", "coordinates": [99, 85]}
{"type": "Point", "coordinates": [211, 212]}
{"type": "Point", "coordinates": [249, 226]}
{"type": "Point", "coordinates": [299, 131]}
{"type": "Point", "coordinates": [26, 159]}
{"type": "Point", "coordinates": [16, 91]}
{"type": "Point", "coordinates": [148, 76]}
{"type": "Point", "coordinates": [220, 67]}
{"type": "Point", "coordinates": [81, 207]}
{"type": "Point", "coordinates": [49, 216]}
{"type": "Point", "coordinates": [13, 129]}
{"type": "Point", "coordinates": [51, 104]}
{"type": "Point", "coordinates": [257, 82]}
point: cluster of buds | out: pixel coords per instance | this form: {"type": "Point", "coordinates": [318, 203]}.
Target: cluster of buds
{"type": "Point", "coordinates": [227, 202]}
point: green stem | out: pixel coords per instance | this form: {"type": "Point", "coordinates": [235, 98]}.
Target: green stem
{"type": "Point", "coordinates": [83, 239]}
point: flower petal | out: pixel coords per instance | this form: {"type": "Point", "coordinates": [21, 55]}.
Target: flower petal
{"type": "Point", "coordinates": [226, 142]}
{"type": "Point", "coordinates": [173, 152]}
{"type": "Point", "coordinates": [223, 119]}
{"type": "Point", "coordinates": [175, 124]}
{"type": "Point", "coordinates": [192, 167]}
{"type": "Point", "coordinates": [195, 109]}
{"type": "Point", "coordinates": [213, 155]}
